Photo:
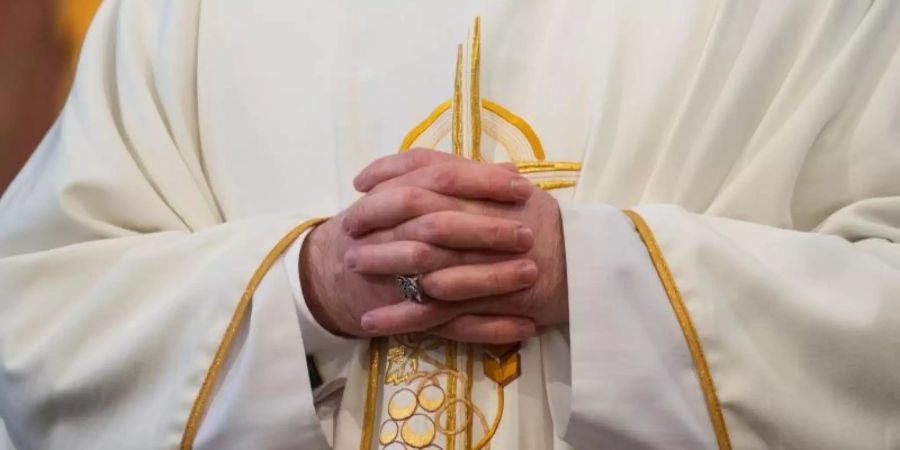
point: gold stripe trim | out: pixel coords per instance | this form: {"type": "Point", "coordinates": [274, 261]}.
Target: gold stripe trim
{"type": "Point", "coordinates": [457, 106]}
{"type": "Point", "coordinates": [209, 381]}
{"type": "Point", "coordinates": [475, 92]}
{"type": "Point", "coordinates": [470, 363]}
{"type": "Point", "coordinates": [547, 166]}
{"type": "Point", "coordinates": [554, 184]}
{"type": "Point", "coordinates": [533, 140]}
{"type": "Point", "coordinates": [687, 327]}
{"type": "Point", "coordinates": [486, 439]}
{"type": "Point", "coordinates": [368, 430]}
{"type": "Point", "coordinates": [451, 393]}
{"type": "Point", "coordinates": [422, 126]}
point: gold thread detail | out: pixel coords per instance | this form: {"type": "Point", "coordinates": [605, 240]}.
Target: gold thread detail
{"type": "Point", "coordinates": [371, 395]}
{"type": "Point", "coordinates": [474, 92]}
{"type": "Point", "coordinates": [452, 379]}
{"type": "Point", "coordinates": [418, 431]}
{"type": "Point", "coordinates": [554, 184]}
{"type": "Point", "coordinates": [422, 126]}
{"type": "Point", "coordinates": [533, 140]}
{"type": "Point", "coordinates": [486, 439]}
{"type": "Point", "coordinates": [687, 327]}
{"type": "Point", "coordinates": [547, 166]}
{"type": "Point", "coordinates": [209, 381]}
{"type": "Point", "coordinates": [470, 363]}
{"type": "Point", "coordinates": [457, 106]}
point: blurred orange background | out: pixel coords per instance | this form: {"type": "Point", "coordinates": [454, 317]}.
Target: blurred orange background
{"type": "Point", "coordinates": [39, 43]}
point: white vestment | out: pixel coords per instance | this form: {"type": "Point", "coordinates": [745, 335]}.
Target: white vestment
{"type": "Point", "coordinates": [749, 299]}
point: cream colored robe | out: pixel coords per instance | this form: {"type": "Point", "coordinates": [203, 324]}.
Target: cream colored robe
{"type": "Point", "coordinates": [759, 141]}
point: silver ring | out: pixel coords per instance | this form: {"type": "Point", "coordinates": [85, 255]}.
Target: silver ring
{"type": "Point", "coordinates": [409, 287]}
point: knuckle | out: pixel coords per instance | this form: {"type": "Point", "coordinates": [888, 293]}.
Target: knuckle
{"type": "Point", "coordinates": [445, 178]}
{"type": "Point", "coordinates": [430, 227]}
{"type": "Point", "coordinates": [351, 222]}
{"type": "Point", "coordinates": [495, 234]}
{"type": "Point", "coordinates": [435, 287]}
{"type": "Point", "coordinates": [420, 254]}
{"type": "Point", "coordinates": [495, 281]}
{"type": "Point", "coordinates": [417, 157]}
{"type": "Point", "coordinates": [411, 199]}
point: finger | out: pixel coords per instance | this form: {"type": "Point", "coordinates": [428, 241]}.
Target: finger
{"type": "Point", "coordinates": [486, 329]}
{"type": "Point", "coordinates": [466, 180]}
{"type": "Point", "coordinates": [408, 317]}
{"type": "Point", "coordinates": [480, 280]}
{"type": "Point", "coordinates": [395, 165]}
{"type": "Point", "coordinates": [406, 257]}
{"type": "Point", "coordinates": [508, 166]}
{"type": "Point", "coordinates": [388, 208]}
{"type": "Point", "coordinates": [464, 231]}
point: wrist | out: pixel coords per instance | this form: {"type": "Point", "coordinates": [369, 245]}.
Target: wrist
{"type": "Point", "coordinates": [312, 283]}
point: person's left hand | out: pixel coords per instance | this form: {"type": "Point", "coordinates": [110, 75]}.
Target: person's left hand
{"type": "Point", "coordinates": [454, 291]}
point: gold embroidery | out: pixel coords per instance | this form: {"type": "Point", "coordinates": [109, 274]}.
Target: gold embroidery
{"type": "Point", "coordinates": [713, 406]}
{"type": "Point", "coordinates": [474, 92]}
{"type": "Point", "coordinates": [432, 397]}
{"type": "Point", "coordinates": [502, 371]}
{"type": "Point", "coordinates": [451, 392]}
{"type": "Point", "coordinates": [203, 396]}
{"type": "Point", "coordinates": [389, 432]}
{"type": "Point", "coordinates": [470, 362]}
{"type": "Point", "coordinates": [424, 125]}
{"type": "Point", "coordinates": [403, 360]}
{"type": "Point", "coordinates": [533, 140]}
{"type": "Point", "coordinates": [457, 106]}
{"type": "Point", "coordinates": [547, 166]}
{"type": "Point", "coordinates": [502, 363]}
{"type": "Point", "coordinates": [548, 185]}
{"type": "Point", "coordinates": [402, 404]}
{"type": "Point", "coordinates": [371, 394]}
{"type": "Point", "coordinates": [418, 431]}
{"type": "Point", "coordinates": [485, 441]}
{"type": "Point", "coordinates": [400, 367]}
{"type": "Point", "coordinates": [424, 394]}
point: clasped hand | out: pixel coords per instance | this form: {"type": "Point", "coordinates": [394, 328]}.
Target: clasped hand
{"type": "Point", "coordinates": [487, 242]}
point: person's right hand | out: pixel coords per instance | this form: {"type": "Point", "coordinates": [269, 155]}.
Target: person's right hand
{"type": "Point", "coordinates": [338, 296]}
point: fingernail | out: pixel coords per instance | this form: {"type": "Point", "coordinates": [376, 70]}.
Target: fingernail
{"type": "Point", "coordinates": [368, 323]}
{"type": "Point", "coordinates": [527, 273]}
{"type": "Point", "coordinates": [521, 188]}
{"type": "Point", "coordinates": [524, 237]}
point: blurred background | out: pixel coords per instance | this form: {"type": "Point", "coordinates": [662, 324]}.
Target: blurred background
{"type": "Point", "coordinates": [39, 43]}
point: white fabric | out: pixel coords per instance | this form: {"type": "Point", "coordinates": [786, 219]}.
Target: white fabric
{"type": "Point", "coordinates": [198, 133]}
{"type": "Point", "coordinates": [265, 377]}
{"type": "Point", "coordinates": [632, 379]}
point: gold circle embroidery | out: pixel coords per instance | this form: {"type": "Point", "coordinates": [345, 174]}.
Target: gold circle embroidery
{"type": "Point", "coordinates": [402, 404]}
{"type": "Point", "coordinates": [418, 431]}
{"type": "Point", "coordinates": [431, 397]}
{"type": "Point", "coordinates": [389, 431]}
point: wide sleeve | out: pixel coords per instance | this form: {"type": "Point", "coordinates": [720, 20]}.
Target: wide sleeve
{"type": "Point", "coordinates": [623, 376]}
{"type": "Point", "coordinates": [125, 290]}
{"type": "Point", "coordinates": [794, 335]}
